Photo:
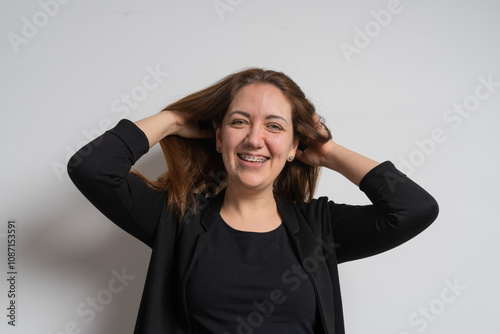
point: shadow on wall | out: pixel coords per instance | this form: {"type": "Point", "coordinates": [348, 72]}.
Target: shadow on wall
{"type": "Point", "coordinates": [87, 264]}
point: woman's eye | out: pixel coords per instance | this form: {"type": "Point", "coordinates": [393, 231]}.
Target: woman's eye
{"type": "Point", "coordinates": [275, 127]}
{"type": "Point", "coordinates": [238, 122]}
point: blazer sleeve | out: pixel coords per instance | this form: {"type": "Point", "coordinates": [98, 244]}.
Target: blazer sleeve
{"type": "Point", "coordinates": [400, 210]}
{"type": "Point", "coordinates": [100, 170]}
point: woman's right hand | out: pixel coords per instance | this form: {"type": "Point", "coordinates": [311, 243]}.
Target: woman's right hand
{"type": "Point", "coordinates": [186, 128]}
{"type": "Point", "coordinates": [169, 123]}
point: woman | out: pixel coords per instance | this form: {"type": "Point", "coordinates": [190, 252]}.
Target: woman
{"type": "Point", "coordinates": [238, 243]}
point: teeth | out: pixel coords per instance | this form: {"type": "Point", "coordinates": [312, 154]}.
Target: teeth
{"type": "Point", "coordinates": [252, 158]}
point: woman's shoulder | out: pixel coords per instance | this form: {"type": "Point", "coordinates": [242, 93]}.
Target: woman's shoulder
{"type": "Point", "coordinates": [317, 209]}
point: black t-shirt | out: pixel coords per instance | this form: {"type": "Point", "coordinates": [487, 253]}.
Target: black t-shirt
{"type": "Point", "coordinates": [250, 282]}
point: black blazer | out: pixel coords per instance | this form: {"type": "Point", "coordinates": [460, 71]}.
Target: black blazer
{"type": "Point", "coordinates": [323, 233]}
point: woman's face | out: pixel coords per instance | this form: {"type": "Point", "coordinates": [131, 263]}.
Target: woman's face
{"type": "Point", "coordinates": [256, 136]}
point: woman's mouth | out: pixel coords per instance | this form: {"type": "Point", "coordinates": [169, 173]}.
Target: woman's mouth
{"type": "Point", "coordinates": [252, 158]}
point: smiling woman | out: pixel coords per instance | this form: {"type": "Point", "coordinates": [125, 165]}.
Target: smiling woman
{"type": "Point", "coordinates": [254, 251]}
{"type": "Point", "coordinates": [191, 162]}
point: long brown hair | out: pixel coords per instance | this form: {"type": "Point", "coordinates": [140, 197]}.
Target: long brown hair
{"type": "Point", "coordinates": [195, 168]}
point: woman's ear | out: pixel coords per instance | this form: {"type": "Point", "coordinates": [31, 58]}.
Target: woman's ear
{"type": "Point", "coordinates": [295, 145]}
{"type": "Point", "coordinates": [218, 137]}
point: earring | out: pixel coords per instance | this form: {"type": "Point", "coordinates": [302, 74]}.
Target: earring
{"type": "Point", "coordinates": [290, 158]}
{"type": "Point", "coordinates": [217, 149]}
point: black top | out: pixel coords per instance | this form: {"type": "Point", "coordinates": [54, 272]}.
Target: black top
{"type": "Point", "coordinates": [323, 233]}
{"type": "Point", "coordinates": [246, 282]}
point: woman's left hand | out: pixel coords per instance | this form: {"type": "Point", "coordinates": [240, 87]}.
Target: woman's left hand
{"type": "Point", "coordinates": [352, 165]}
{"type": "Point", "coordinates": [316, 153]}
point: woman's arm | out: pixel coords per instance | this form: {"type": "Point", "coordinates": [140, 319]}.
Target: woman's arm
{"type": "Point", "coordinates": [100, 170]}
{"type": "Point", "coordinates": [400, 208]}
{"type": "Point", "coordinates": [350, 164]}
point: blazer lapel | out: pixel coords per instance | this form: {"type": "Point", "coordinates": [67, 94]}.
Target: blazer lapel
{"type": "Point", "coordinates": [309, 247]}
{"type": "Point", "coordinates": [195, 233]}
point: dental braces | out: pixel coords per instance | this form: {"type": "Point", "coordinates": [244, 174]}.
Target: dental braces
{"type": "Point", "coordinates": [252, 158]}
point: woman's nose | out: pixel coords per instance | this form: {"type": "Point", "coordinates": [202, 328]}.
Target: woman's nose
{"type": "Point", "coordinates": [255, 137]}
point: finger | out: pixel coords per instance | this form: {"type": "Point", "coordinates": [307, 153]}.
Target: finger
{"type": "Point", "coordinates": [299, 154]}
{"type": "Point", "coordinates": [320, 125]}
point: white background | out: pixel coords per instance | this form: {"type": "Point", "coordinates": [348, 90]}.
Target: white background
{"type": "Point", "coordinates": [62, 82]}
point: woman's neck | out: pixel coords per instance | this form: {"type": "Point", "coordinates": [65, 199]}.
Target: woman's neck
{"type": "Point", "coordinates": [254, 212]}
